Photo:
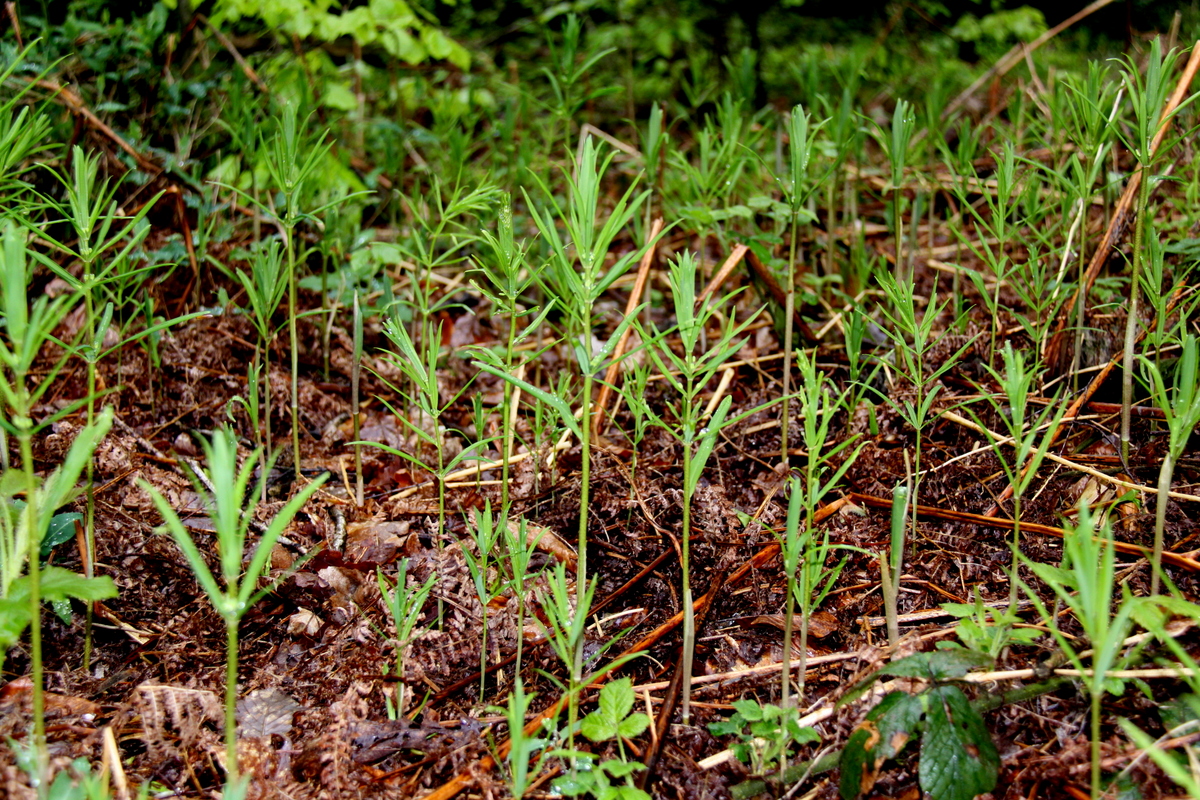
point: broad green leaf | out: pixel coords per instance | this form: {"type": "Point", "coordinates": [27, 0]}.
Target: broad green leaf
{"type": "Point", "coordinates": [958, 758]}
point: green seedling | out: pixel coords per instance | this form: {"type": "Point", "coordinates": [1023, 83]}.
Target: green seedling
{"type": "Point", "coordinates": [1148, 92]}
{"type": "Point", "coordinates": [766, 734]}
{"type": "Point", "coordinates": [688, 373]}
{"type": "Point", "coordinates": [567, 73]}
{"type": "Point", "coordinates": [913, 338]}
{"type": "Point", "coordinates": [28, 328]}
{"type": "Point", "coordinates": [566, 621]}
{"type": "Point", "coordinates": [1181, 712]}
{"type": "Point", "coordinates": [891, 561]}
{"type": "Point", "coordinates": [522, 747]}
{"type": "Point", "coordinates": [404, 606]}
{"type": "Point", "coordinates": [1180, 406]}
{"type": "Point", "coordinates": [519, 547]}
{"type": "Point", "coordinates": [896, 142]}
{"type": "Point", "coordinates": [577, 277]}
{"type": "Point", "coordinates": [1084, 585]}
{"type": "Point", "coordinates": [420, 367]}
{"type": "Point", "coordinates": [989, 630]}
{"type": "Point", "coordinates": [292, 160]}
{"type": "Point", "coordinates": [508, 280]}
{"type": "Point", "coordinates": [265, 287]}
{"type": "Point", "coordinates": [804, 554]}
{"type": "Point", "coordinates": [104, 244]}
{"type": "Point", "coordinates": [232, 512]}
{"type": "Point", "coordinates": [800, 189]}
{"type": "Point", "coordinates": [485, 532]}
{"type": "Point", "coordinates": [1029, 444]}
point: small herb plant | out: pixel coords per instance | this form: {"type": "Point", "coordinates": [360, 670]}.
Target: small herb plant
{"type": "Point", "coordinates": [767, 734]}
{"type": "Point", "coordinates": [958, 759]}
{"type": "Point", "coordinates": [613, 720]}
{"type": "Point", "coordinates": [231, 507]}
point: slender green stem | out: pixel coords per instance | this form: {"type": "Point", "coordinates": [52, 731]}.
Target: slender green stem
{"type": "Point", "coordinates": [1139, 234]}
{"type": "Point", "coordinates": [689, 615]}
{"type": "Point", "coordinates": [25, 441]}
{"type": "Point", "coordinates": [789, 311]}
{"type": "Point", "coordinates": [789, 614]}
{"type": "Point", "coordinates": [89, 526]}
{"type": "Point", "coordinates": [506, 432]}
{"type": "Point", "coordinates": [231, 667]}
{"type": "Point", "coordinates": [293, 341]}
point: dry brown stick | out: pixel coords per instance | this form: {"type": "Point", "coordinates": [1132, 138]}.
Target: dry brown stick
{"type": "Point", "coordinates": [1017, 54]}
{"type": "Point", "coordinates": [635, 298]}
{"type": "Point", "coordinates": [734, 259]}
{"type": "Point", "coordinates": [76, 104]}
{"type": "Point", "coordinates": [662, 724]}
{"type": "Point", "coordinates": [1116, 229]}
{"type": "Point", "coordinates": [237, 57]}
{"type": "Point", "coordinates": [778, 295]}
{"type": "Point", "coordinates": [932, 512]}
{"type": "Point", "coordinates": [1073, 410]}
{"type": "Point", "coordinates": [464, 779]}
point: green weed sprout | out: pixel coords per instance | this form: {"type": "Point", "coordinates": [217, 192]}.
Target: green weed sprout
{"type": "Point", "coordinates": [577, 278]}
{"type": "Point", "coordinates": [293, 157]}
{"type": "Point", "coordinates": [891, 561]}
{"type": "Point", "coordinates": [913, 339]}
{"type": "Point", "coordinates": [519, 549]}
{"type": "Point", "coordinates": [485, 532]}
{"type": "Point", "coordinates": [404, 606]}
{"type": "Point", "coordinates": [564, 628]}
{"type": "Point", "coordinates": [804, 554]}
{"type": "Point", "coordinates": [231, 511]}
{"type": "Point", "coordinates": [800, 188]}
{"type": "Point", "coordinates": [1084, 584]}
{"type": "Point", "coordinates": [895, 143]}
{"type": "Point", "coordinates": [522, 747]}
{"type": "Point", "coordinates": [27, 328]}
{"type": "Point", "coordinates": [104, 243]}
{"type": "Point", "coordinates": [1181, 408]}
{"type": "Point", "coordinates": [507, 281]}
{"type": "Point", "coordinates": [566, 76]}
{"type": "Point", "coordinates": [767, 734]}
{"type": "Point", "coordinates": [1030, 444]}
{"type": "Point", "coordinates": [265, 286]}
{"type": "Point", "coordinates": [1154, 614]}
{"type": "Point", "coordinates": [1147, 95]}
{"type": "Point", "coordinates": [688, 374]}
{"type": "Point", "coordinates": [420, 367]}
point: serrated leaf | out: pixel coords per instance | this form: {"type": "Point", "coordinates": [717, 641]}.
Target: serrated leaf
{"type": "Point", "coordinates": [597, 728]}
{"type": "Point", "coordinates": [616, 699]}
{"type": "Point", "coordinates": [940, 665]}
{"type": "Point", "coordinates": [751, 710]}
{"type": "Point", "coordinates": [619, 769]}
{"type": "Point", "coordinates": [633, 725]}
{"type": "Point", "coordinates": [882, 735]}
{"type": "Point", "coordinates": [958, 757]}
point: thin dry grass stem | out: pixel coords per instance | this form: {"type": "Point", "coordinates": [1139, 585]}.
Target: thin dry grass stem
{"type": "Point", "coordinates": [1052, 352]}
{"type": "Point", "coordinates": [1017, 54]}
{"type": "Point", "coordinates": [1001, 523]}
{"type": "Point", "coordinates": [465, 779]}
{"type": "Point", "coordinates": [230, 48]}
{"type": "Point", "coordinates": [735, 258]}
{"type": "Point", "coordinates": [635, 299]}
{"type": "Point", "coordinates": [1084, 398]}
{"type": "Point", "coordinates": [1074, 465]}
